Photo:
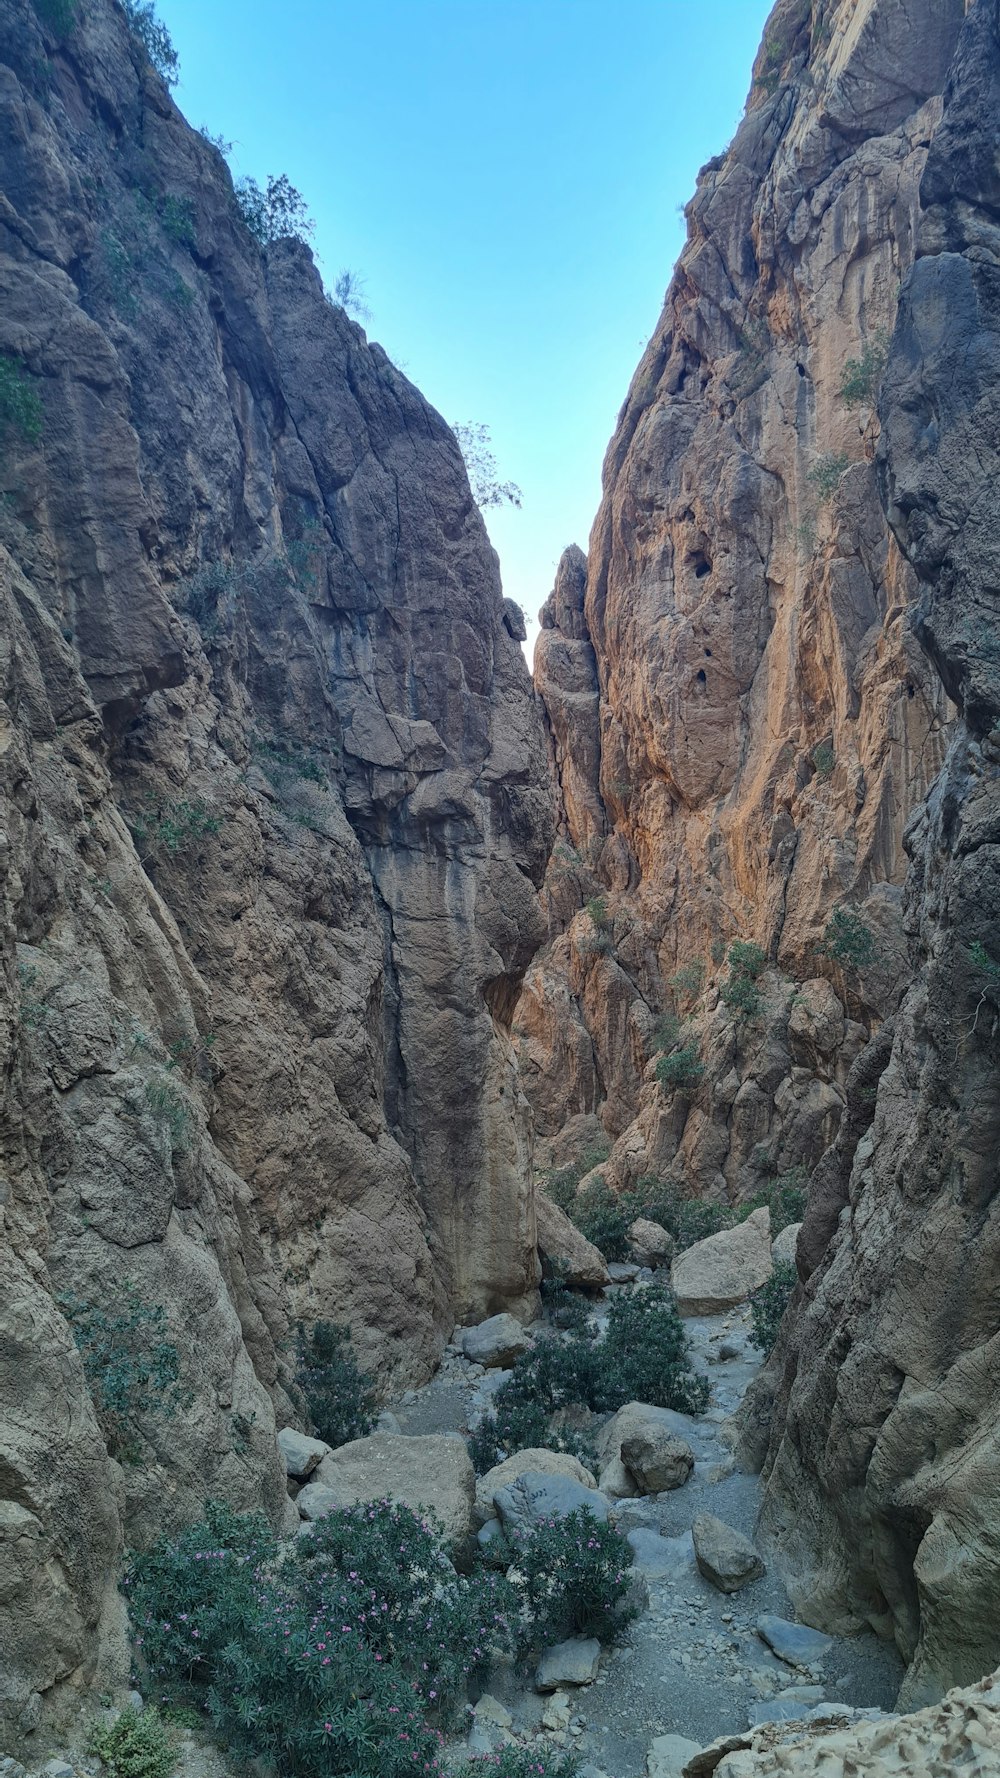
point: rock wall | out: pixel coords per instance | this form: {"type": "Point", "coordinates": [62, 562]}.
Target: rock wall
{"type": "Point", "coordinates": [274, 811]}
{"type": "Point", "coordinates": [740, 718]}
{"type": "Point", "coordinates": [884, 1460]}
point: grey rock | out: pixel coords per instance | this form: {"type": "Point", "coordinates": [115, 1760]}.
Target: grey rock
{"type": "Point", "coordinates": [661, 1558]}
{"type": "Point", "coordinates": [387, 1422]}
{"type": "Point", "coordinates": [301, 1454]}
{"type": "Point", "coordinates": [31, 1715]}
{"type": "Point", "coordinates": [727, 1351]}
{"type": "Point", "coordinates": [498, 1341]}
{"type": "Point", "coordinates": [724, 1556]}
{"type": "Point", "coordinates": [794, 1643]}
{"type": "Point", "coordinates": [668, 1756]}
{"type": "Point", "coordinates": [314, 1501]}
{"type": "Point", "coordinates": [58, 1768]}
{"type": "Point", "coordinates": [535, 1496]}
{"type": "Point", "coordinates": [659, 1460]}
{"type": "Point", "coordinates": [621, 1273]}
{"type": "Point", "coordinates": [568, 1663]}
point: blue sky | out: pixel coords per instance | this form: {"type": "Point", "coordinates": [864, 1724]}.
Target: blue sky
{"type": "Point", "coordinates": [507, 177]}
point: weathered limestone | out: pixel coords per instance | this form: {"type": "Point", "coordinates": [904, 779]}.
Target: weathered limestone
{"type": "Point", "coordinates": [430, 1474]}
{"type": "Point", "coordinates": [724, 1269]}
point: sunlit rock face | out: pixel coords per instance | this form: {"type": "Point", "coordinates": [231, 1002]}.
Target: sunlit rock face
{"type": "Point", "coordinates": [740, 717]}
{"type": "Point", "coordinates": [274, 808]}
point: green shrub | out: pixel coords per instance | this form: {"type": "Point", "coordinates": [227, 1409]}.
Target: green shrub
{"type": "Point", "coordinates": [576, 1578]}
{"type": "Point", "coordinates": [171, 827]}
{"type": "Point", "coordinates": [275, 213]}
{"type": "Point", "coordinates": [666, 1032]}
{"type": "Point", "coordinates": [824, 759]}
{"type": "Point", "coordinates": [131, 1368]}
{"type": "Point", "coordinates": [59, 15]}
{"type": "Point", "coordinates": [171, 1110]}
{"type": "Point", "coordinates": [597, 908]}
{"type": "Point", "coordinates": [980, 957]}
{"type": "Point", "coordinates": [20, 402]}
{"type": "Point", "coordinates": [862, 377]}
{"type": "Point", "coordinates": [338, 1395]}
{"type": "Point", "coordinates": [520, 1762]}
{"type": "Point", "coordinates": [487, 489]}
{"type": "Point", "coordinates": [768, 1304]}
{"type": "Point", "coordinates": [177, 217]}
{"type": "Point", "coordinates": [155, 39]}
{"type": "Point", "coordinates": [136, 1745]}
{"type": "Point", "coordinates": [747, 959]}
{"type": "Point", "coordinates": [567, 1307]}
{"type": "Point", "coordinates": [683, 1068]}
{"type": "Point", "coordinates": [739, 991]}
{"type": "Point", "coordinates": [785, 1198]}
{"type": "Point", "coordinates": [644, 1356]}
{"type": "Point", "coordinates": [688, 981]}
{"type": "Point", "coordinates": [848, 941]}
{"type": "Point", "coordinates": [826, 472]}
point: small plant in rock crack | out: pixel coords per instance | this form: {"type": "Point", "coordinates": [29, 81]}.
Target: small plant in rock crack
{"type": "Point", "coordinates": [683, 1068]}
{"type": "Point", "coordinates": [136, 1745]}
{"type": "Point", "coordinates": [132, 1369]}
{"type": "Point", "coordinates": [20, 402]}
{"type": "Point", "coordinates": [687, 982]}
{"type": "Point", "coordinates": [826, 472]}
{"type": "Point", "coordinates": [58, 15]}
{"type": "Point", "coordinates": [739, 991]}
{"type": "Point", "coordinates": [338, 1395]}
{"type": "Point", "coordinates": [476, 446]}
{"type": "Point", "coordinates": [177, 218]}
{"type": "Point", "coordinates": [274, 212]}
{"type": "Point", "coordinates": [768, 1305]}
{"type": "Point", "coordinates": [862, 377]}
{"type": "Point", "coordinates": [152, 33]}
{"type": "Point", "coordinates": [576, 1575]}
{"type": "Point", "coordinates": [171, 827]}
{"type": "Point", "coordinates": [824, 759]}
{"type": "Point", "coordinates": [171, 1111]}
{"type": "Point", "coordinates": [848, 941]}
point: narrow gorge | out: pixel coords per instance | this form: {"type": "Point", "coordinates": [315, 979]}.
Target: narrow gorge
{"type": "Point", "coordinates": [609, 1053]}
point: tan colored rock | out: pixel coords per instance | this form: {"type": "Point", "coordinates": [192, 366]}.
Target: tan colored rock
{"type": "Point", "coordinates": [724, 1269]}
{"type": "Point", "coordinates": [652, 1244]}
{"type": "Point", "coordinates": [784, 1244]}
{"type": "Point", "coordinates": [431, 1474]}
{"type": "Point", "coordinates": [659, 1460]}
{"type": "Point", "coordinates": [562, 1245]}
{"type": "Point", "coordinates": [537, 1462]}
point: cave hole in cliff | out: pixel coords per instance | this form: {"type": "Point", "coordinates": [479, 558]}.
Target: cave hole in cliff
{"type": "Point", "coordinates": [701, 564]}
{"type": "Point", "coordinates": [701, 676]}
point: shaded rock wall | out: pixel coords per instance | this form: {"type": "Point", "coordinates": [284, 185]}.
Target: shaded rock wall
{"type": "Point", "coordinates": [740, 717]}
{"type": "Point", "coordinates": [883, 1460]}
{"type": "Point", "coordinates": [273, 804]}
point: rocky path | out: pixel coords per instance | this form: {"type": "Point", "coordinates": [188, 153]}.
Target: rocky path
{"type": "Point", "coordinates": [694, 1665]}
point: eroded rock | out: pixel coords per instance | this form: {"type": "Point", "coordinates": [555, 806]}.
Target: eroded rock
{"type": "Point", "coordinates": [724, 1269]}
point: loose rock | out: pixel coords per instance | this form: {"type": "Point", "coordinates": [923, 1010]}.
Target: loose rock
{"type": "Point", "coordinates": [658, 1460]}
{"type": "Point", "coordinates": [498, 1341]}
{"type": "Point", "coordinates": [724, 1556]}
{"type": "Point", "coordinates": [302, 1455]}
{"type": "Point", "coordinates": [568, 1663]}
{"type": "Point", "coordinates": [669, 1755]}
{"type": "Point", "coordinates": [794, 1643]}
{"type": "Point", "coordinates": [724, 1269]}
{"type": "Point", "coordinates": [535, 1496]}
{"type": "Point", "coordinates": [539, 1462]}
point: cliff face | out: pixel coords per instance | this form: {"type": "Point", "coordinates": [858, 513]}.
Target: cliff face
{"type": "Point", "coordinates": [884, 1460]}
{"type": "Point", "coordinates": [274, 811]}
{"type": "Point", "coordinates": [740, 718]}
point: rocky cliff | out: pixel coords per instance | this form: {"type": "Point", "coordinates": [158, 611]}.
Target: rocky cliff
{"type": "Point", "coordinates": [740, 718]}
{"type": "Point", "coordinates": [273, 813]}
{"type": "Point", "coordinates": [882, 1456]}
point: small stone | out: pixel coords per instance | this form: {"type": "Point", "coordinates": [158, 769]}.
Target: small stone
{"type": "Point", "coordinates": [620, 1273]}
{"type": "Point", "coordinates": [301, 1454]}
{"type": "Point", "coordinates": [724, 1556]}
{"type": "Point", "coordinates": [497, 1341]}
{"type": "Point", "coordinates": [794, 1643]}
{"type": "Point", "coordinates": [58, 1768]}
{"type": "Point", "coordinates": [568, 1663]}
{"type": "Point", "coordinates": [555, 1716]}
{"type": "Point", "coordinates": [727, 1351]}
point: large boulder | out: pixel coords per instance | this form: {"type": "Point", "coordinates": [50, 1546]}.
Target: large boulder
{"type": "Point", "coordinates": [723, 1270]}
{"type": "Point", "coordinates": [431, 1474]}
{"type": "Point", "coordinates": [551, 1463]}
{"type": "Point", "coordinates": [724, 1556]}
{"type": "Point", "coordinates": [652, 1245]}
{"type": "Point", "coordinates": [496, 1342]}
{"type": "Point", "coordinates": [639, 1417]}
{"type": "Point", "coordinates": [658, 1459]}
{"type": "Point", "coordinates": [783, 1246]}
{"type": "Point", "coordinates": [561, 1244]}
{"type": "Point", "coordinates": [535, 1496]}
{"type": "Point", "coordinates": [302, 1455]}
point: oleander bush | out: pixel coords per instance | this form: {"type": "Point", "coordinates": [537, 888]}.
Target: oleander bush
{"type": "Point", "coordinates": [339, 1396]}
{"type": "Point", "coordinates": [768, 1305]}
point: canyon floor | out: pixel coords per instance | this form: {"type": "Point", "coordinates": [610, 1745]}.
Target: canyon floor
{"type": "Point", "coordinates": [693, 1664]}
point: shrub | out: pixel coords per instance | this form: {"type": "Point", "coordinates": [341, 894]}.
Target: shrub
{"type": "Point", "coordinates": [862, 377]}
{"type": "Point", "coordinates": [739, 991]}
{"type": "Point", "coordinates": [768, 1304]}
{"type": "Point", "coordinates": [681, 1069]}
{"type": "Point", "coordinates": [666, 1031]}
{"type": "Point", "coordinates": [476, 447]}
{"type": "Point", "coordinates": [171, 827]}
{"type": "Point", "coordinates": [155, 39]}
{"type": "Point", "coordinates": [824, 759]}
{"type": "Point", "coordinates": [131, 1368]}
{"type": "Point", "coordinates": [520, 1762]}
{"type": "Point", "coordinates": [826, 472]}
{"type": "Point", "coordinates": [597, 908]}
{"type": "Point", "coordinates": [567, 1308]}
{"type": "Point", "coordinates": [688, 981]}
{"type": "Point", "coordinates": [177, 217]}
{"type": "Point", "coordinates": [980, 957]}
{"type": "Point", "coordinates": [338, 1395]}
{"type": "Point", "coordinates": [644, 1356]}
{"type": "Point", "coordinates": [349, 294]}
{"type": "Point", "coordinates": [171, 1110]}
{"type": "Point", "coordinates": [848, 941]}
{"type": "Point", "coordinates": [136, 1745]}
{"type": "Point", "coordinates": [276, 213]}
{"type": "Point", "coordinates": [20, 402]}
{"type": "Point", "coordinates": [785, 1198]}
{"type": "Point", "coordinates": [576, 1578]}
{"type": "Point", "coordinates": [747, 959]}
{"type": "Point", "coordinates": [602, 1217]}
{"type": "Point", "coordinates": [59, 15]}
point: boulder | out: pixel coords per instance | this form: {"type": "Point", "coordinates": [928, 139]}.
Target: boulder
{"type": "Point", "coordinates": [783, 1246]}
{"type": "Point", "coordinates": [430, 1474]}
{"type": "Point", "coordinates": [723, 1270]}
{"type": "Point", "coordinates": [568, 1663]}
{"type": "Point", "coordinates": [550, 1463]}
{"type": "Point", "coordinates": [616, 1482]}
{"type": "Point", "coordinates": [724, 1556]}
{"type": "Point", "coordinates": [794, 1643]}
{"type": "Point", "coordinates": [669, 1755]}
{"type": "Point", "coordinates": [652, 1245]}
{"type": "Point", "coordinates": [560, 1242]}
{"type": "Point", "coordinates": [621, 1273]}
{"type": "Point", "coordinates": [301, 1454]}
{"type": "Point", "coordinates": [639, 1416]}
{"type": "Point", "coordinates": [535, 1496]}
{"type": "Point", "coordinates": [661, 1558]}
{"type": "Point", "coordinates": [658, 1460]}
{"type": "Point", "coordinates": [496, 1342]}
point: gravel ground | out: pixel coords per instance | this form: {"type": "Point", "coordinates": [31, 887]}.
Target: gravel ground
{"type": "Point", "coordinates": [693, 1664]}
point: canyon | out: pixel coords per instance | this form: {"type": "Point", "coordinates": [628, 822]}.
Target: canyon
{"type": "Point", "coordinates": [328, 936]}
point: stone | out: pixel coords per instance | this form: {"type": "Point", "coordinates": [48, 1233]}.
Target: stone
{"type": "Point", "coordinates": [490, 1709]}
{"type": "Point", "coordinates": [661, 1558]}
{"type": "Point", "coordinates": [658, 1460]}
{"type": "Point", "coordinates": [301, 1454]}
{"type": "Point", "coordinates": [621, 1272]}
{"type": "Point", "coordinates": [556, 1713]}
{"type": "Point", "coordinates": [638, 1417]}
{"type": "Point", "coordinates": [535, 1495]}
{"type": "Point", "coordinates": [568, 1663]}
{"type": "Point", "coordinates": [617, 1482]}
{"type": "Point", "coordinates": [728, 1351]}
{"type": "Point", "coordinates": [651, 1244]}
{"type": "Point", "coordinates": [561, 1245]}
{"type": "Point", "coordinates": [724, 1269]}
{"type": "Point", "coordinates": [539, 1462]}
{"type": "Point", "coordinates": [668, 1756]}
{"type": "Point", "coordinates": [724, 1556]}
{"type": "Point", "coordinates": [429, 1474]}
{"type": "Point", "coordinates": [783, 1246]}
{"type": "Point", "coordinates": [796, 1644]}
{"type": "Point", "coordinates": [58, 1768]}
{"type": "Point", "coordinates": [314, 1501]}
{"type": "Point", "coordinates": [496, 1342]}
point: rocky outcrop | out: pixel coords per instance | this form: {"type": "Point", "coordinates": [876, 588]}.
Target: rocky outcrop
{"type": "Point", "coordinates": [273, 810]}
{"type": "Point", "coordinates": [884, 1459]}
{"type": "Point", "coordinates": [739, 715]}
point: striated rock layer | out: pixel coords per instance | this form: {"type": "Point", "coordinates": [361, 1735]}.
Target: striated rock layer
{"type": "Point", "coordinates": [273, 812]}
{"type": "Point", "coordinates": [884, 1451]}
{"type": "Point", "coordinates": [740, 719]}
